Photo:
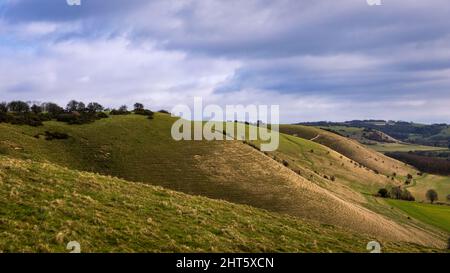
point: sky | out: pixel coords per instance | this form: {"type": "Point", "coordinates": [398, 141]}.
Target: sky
{"type": "Point", "coordinates": [317, 59]}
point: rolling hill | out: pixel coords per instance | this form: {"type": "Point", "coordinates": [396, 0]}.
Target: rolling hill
{"type": "Point", "coordinates": [44, 206]}
{"type": "Point", "coordinates": [351, 149]}
{"type": "Point", "coordinates": [423, 134]}
{"type": "Point", "coordinates": [141, 150]}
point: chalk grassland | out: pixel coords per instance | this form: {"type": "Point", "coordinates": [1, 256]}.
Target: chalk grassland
{"type": "Point", "coordinates": [436, 215]}
{"type": "Point", "coordinates": [44, 206]}
{"type": "Point", "coordinates": [419, 186]}
{"type": "Point", "coordinates": [441, 184]}
{"type": "Point", "coordinates": [350, 148]}
{"type": "Point", "coordinates": [141, 150]}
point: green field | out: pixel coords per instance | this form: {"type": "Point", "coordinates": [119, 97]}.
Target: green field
{"type": "Point", "coordinates": [435, 215]}
{"type": "Point", "coordinates": [402, 147]}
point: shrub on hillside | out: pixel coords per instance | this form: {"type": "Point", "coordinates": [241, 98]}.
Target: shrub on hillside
{"type": "Point", "coordinates": [102, 115]}
{"type": "Point", "coordinates": [26, 118]}
{"type": "Point", "coordinates": [123, 110]}
{"type": "Point", "coordinates": [144, 112]}
{"type": "Point", "coordinates": [396, 193]}
{"type": "Point", "coordinates": [383, 193]}
{"type": "Point", "coordinates": [49, 135]}
{"type": "Point", "coordinates": [431, 195]}
{"type": "Point", "coordinates": [80, 118]}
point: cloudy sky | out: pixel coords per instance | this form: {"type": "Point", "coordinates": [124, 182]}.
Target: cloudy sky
{"type": "Point", "coordinates": [317, 59]}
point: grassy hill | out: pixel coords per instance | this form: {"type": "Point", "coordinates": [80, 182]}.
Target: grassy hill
{"type": "Point", "coordinates": [429, 135]}
{"type": "Point", "coordinates": [350, 148]}
{"type": "Point", "coordinates": [142, 150]}
{"type": "Point", "coordinates": [44, 206]}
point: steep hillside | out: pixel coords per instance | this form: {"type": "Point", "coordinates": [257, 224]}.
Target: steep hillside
{"type": "Point", "coordinates": [350, 148]}
{"type": "Point", "coordinates": [44, 206]}
{"type": "Point", "coordinates": [141, 150]}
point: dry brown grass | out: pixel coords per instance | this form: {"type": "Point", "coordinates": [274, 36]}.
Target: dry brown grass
{"type": "Point", "coordinates": [274, 187]}
{"type": "Point", "coordinates": [351, 149]}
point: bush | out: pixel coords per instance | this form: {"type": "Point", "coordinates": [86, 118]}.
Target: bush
{"type": "Point", "coordinates": [115, 112]}
{"type": "Point", "coordinates": [102, 115]}
{"type": "Point", "coordinates": [383, 193]}
{"type": "Point", "coordinates": [23, 119]}
{"type": "Point", "coordinates": [162, 111]}
{"type": "Point", "coordinates": [397, 193]}
{"type": "Point", "coordinates": [77, 118]}
{"type": "Point", "coordinates": [431, 195]}
{"type": "Point", "coordinates": [49, 135]}
{"type": "Point", "coordinates": [144, 112]}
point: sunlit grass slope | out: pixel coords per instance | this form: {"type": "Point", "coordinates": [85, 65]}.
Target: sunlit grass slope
{"type": "Point", "coordinates": [350, 148]}
{"type": "Point", "coordinates": [44, 206]}
{"type": "Point", "coordinates": [436, 215]}
{"type": "Point", "coordinates": [141, 150]}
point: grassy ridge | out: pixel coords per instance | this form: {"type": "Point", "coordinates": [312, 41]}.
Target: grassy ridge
{"type": "Point", "coordinates": [350, 148]}
{"type": "Point", "coordinates": [44, 206]}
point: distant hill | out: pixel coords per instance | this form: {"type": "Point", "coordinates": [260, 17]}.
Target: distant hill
{"type": "Point", "coordinates": [433, 135]}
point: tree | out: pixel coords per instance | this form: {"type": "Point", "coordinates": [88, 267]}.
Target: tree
{"type": "Point", "coordinates": [18, 106]}
{"type": "Point", "coordinates": [81, 107]}
{"type": "Point", "coordinates": [52, 108]}
{"type": "Point", "coordinates": [72, 106]}
{"type": "Point", "coordinates": [138, 106]}
{"type": "Point", "coordinates": [75, 106]}
{"type": "Point", "coordinates": [3, 107]}
{"type": "Point", "coordinates": [383, 193]}
{"type": "Point", "coordinates": [432, 195]}
{"type": "Point", "coordinates": [396, 193]}
{"type": "Point", "coordinates": [36, 109]}
{"type": "Point", "coordinates": [123, 108]}
{"type": "Point", "coordinates": [94, 107]}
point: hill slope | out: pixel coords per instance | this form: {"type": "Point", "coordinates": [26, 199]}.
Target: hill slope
{"type": "Point", "coordinates": [44, 206]}
{"type": "Point", "coordinates": [350, 148]}
{"type": "Point", "coordinates": [137, 149]}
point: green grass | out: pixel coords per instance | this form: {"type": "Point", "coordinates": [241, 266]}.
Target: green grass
{"type": "Point", "coordinates": [435, 215]}
{"type": "Point", "coordinates": [44, 206]}
{"type": "Point", "coordinates": [402, 147]}
{"type": "Point", "coordinates": [441, 184]}
{"type": "Point", "coordinates": [136, 149]}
